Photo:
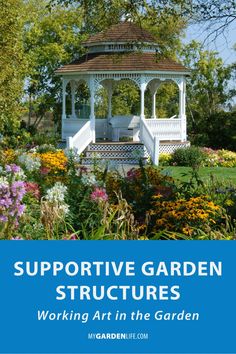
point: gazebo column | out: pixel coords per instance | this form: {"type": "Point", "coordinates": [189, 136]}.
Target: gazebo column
{"type": "Point", "coordinates": [92, 109]}
{"type": "Point", "coordinates": [154, 105]}
{"type": "Point", "coordinates": [182, 109]}
{"type": "Point", "coordinates": [110, 92]}
{"type": "Point", "coordinates": [64, 84]}
{"type": "Point", "coordinates": [153, 86]}
{"type": "Point", "coordinates": [108, 85]}
{"type": "Point", "coordinates": [143, 87]}
{"type": "Point", "coordinates": [73, 87]}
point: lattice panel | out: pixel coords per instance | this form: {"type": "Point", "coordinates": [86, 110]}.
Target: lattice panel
{"type": "Point", "coordinates": [120, 154]}
{"type": "Point", "coordinates": [169, 148]}
{"type": "Point", "coordinates": [116, 147]}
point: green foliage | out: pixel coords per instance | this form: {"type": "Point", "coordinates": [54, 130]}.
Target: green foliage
{"type": "Point", "coordinates": [208, 91]}
{"type": "Point", "coordinates": [191, 156]}
{"type": "Point", "coordinates": [64, 200]}
{"type": "Point", "coordinates": [167, 100]}
{"type": "Point", "coordinates": [165, 22]}
{"type": "Point", "coordinates": [51, 38]}
{"type": "Point", "coordinates": [12, 64]}
{"type": "Point", "coordinates": [219, 131]}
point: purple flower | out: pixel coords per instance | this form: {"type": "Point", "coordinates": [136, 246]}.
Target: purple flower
{"type": "Point", "coordinates": [18, 189]}
{"type": "Point", "coordinates": [3, 218]}
{"type": "Point", "coordinates": [11, 195]}
{"type": "Point", "coordinates": [13, 168]}
{"type": "Point", "coordinates": [17, 238]}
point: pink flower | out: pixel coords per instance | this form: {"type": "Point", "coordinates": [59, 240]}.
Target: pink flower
{"type": "Point", "coordinates": [32, 188]}
{"type": "Point", "coordinates": [72, 237]}
{"type": "Point", "coordinates": [44, 170]}
{"type": "Point", "coordinates": [17, 238]}
{"type": "Point", "coordinates": [99, 195]}
{"type": "Point", "coordinates": [132, 174]}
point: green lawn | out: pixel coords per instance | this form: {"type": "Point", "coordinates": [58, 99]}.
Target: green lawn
{"type": "Point", "coordinates": [220, 173]}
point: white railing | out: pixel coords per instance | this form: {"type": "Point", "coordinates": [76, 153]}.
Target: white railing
{"type": "Point", "coordinates": [70, 126]}
{"type": "Point", "coordinates": [165, 129]}
{"type": "Point", "coordinates": [81, 139]}
{"type": "Point", "coordinates": [150, 141]}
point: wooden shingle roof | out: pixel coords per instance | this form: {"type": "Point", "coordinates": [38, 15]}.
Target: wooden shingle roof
{"type": "Point", "coordinates": [131, 61]}
{"type": "Point", "coordinates": [122, 32]}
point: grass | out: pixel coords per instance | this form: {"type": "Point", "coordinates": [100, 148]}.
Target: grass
{"type": "Point", "coordinates": [219, 173]}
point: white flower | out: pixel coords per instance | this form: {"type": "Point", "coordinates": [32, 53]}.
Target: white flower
{"type": "Point", "coordinates": [3, 182]}
{"type": "Point", "coordinates": [56, 193]}
{"type": "Point", "coordinates": [31, 163]}
{"type": "Point", "coordinates": [64, 208]}
{"type": "Point", "coordinates": [89, 180]}
{"type": "Point", "coordinates": [33, 150]}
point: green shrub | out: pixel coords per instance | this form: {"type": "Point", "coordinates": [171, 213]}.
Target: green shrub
{"type": "Point", "coordinates": [191, 156]}
{"type": "Point", "coordinates": [165, 159]}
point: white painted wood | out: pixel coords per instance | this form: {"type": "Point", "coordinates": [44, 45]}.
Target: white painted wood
{"type": "Point", "coordinates": [71, 126]}
{"type": "Point", "coordinates": [110, 100]}
{"type": "Point", "coordinates": [92, 107]}
{"type": "Point", "coordinates": [64, 84]}
{"type": "Point", "coordinates": [150, 141]}
{"type": "Point", "coordinates": [73, 87]}
{"type": "Point", "coordinates": [81, 139]}
{"type": "Point", "coordinates": [165, 129]}
{"type": "Point", "coordinates": [125, 126]}
{"type": "Point", "coordinates": [143, 86]}
{"type": "Point", "coordinates": [136, 132]}
{"type": "Point", "coordinates": [154, 105]}
{"type": "Point", "coordinates": [156, 151]}
{"type": "Point", "coordinates": [101, 128]}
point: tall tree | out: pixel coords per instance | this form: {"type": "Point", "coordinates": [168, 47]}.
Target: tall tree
{"type": "Point", "coordinates": [12, 63]}
{"type": "Point", "coordinates": [51, 39]}
{"type": "Point", "coordinates": [217, 15]}
{"type": "Point", "coordinates": [208, 88]}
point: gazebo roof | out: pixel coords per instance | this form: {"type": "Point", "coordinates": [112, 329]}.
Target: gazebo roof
{"type": "Point", "coordinates": [122, 32]}
{"type": "Point", "coordinates": [112, 51]}
{"type": "Point", "coordinates": [121, 62]}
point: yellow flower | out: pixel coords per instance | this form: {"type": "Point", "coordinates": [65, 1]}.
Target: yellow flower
{"type": "Point", "coordinates": [54, 161]}
{"type": "Point", "coordinates": [187, 230]}
{"type": "Point", "coordinates": [229, 202]}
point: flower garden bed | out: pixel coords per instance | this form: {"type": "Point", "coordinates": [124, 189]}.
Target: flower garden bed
{"type": "Point", "coordinates": [46, 194]}
{"type": "Point", "coordinates": [205, 157]}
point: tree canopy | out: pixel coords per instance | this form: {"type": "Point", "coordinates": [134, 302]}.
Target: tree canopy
{"type": "Point", "coordinates": [216, 14]}
{"type": "Point", "coordinates": [39, 36]}
{"type": "Point", "coordinates": [12, 62]}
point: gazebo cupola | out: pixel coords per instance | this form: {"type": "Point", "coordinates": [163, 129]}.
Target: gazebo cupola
{"type": "Point", "coordinates": [124, 37]}
{"type": "Point", "coordinates": [124, 51]}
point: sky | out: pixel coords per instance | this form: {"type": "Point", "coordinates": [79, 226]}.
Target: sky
{"type": "Point", "coordinates": [223, 43]}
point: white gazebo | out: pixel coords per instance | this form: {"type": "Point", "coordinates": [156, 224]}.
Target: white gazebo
{"type": "Point", "coordinates": [124, 51]}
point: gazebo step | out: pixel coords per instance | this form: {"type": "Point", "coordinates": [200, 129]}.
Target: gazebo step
{"type": "Point", "coordinates": [113, 160]}
{"type": "Point", "coordinates": [115, 153]}
{"type": "Point", "coordinates": [116, 146]}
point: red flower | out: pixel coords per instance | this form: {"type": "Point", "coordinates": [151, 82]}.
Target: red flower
{"type": "Point", "coordinates": [33, 189]}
